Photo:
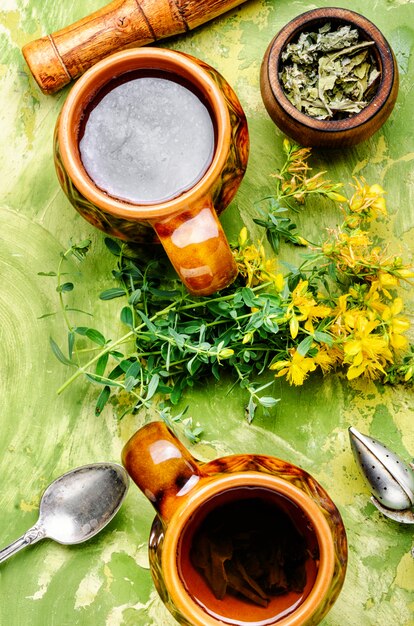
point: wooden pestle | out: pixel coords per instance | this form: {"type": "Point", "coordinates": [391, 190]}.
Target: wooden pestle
{"type": "Point", "coordinates": [57, 59]}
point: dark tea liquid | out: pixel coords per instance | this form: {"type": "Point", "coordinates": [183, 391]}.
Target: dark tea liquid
{"type": "Point", "coordinates": [263, 543]}
{"type": "Point", "coordinates": [146, 137]}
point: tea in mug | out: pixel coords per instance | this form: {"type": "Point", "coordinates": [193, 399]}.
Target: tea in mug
{"type": "Point", "coordinates": [146, 137]}
{"type": "Point", "coordinates": [249, 559]}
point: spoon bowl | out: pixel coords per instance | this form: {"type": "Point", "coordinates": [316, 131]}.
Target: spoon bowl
{"type": "Point", "coordinates": [76, 506]}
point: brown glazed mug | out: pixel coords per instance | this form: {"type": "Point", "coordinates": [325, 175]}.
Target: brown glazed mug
{"type": "Point", "coordinates": [187, 225]}
{"type": "Point", "coordinates": [185, 492]}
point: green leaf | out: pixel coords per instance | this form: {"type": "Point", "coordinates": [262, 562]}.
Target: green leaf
{"type": "Point", "coordinates": [129, 383]}
{"type": "Point", "coordinates": [271, 325]}
{"type": "Point", "coordinates": [102, 400]}
{"type": "Point", "coordinates": [133, 370]}
{"type": "Point", "coordinates": [321, 337]}
{"type": "Point", "coordinates": [116, 354]}
{"type": "Point", "coordinates": [58, 352]}
{"type": "Point", "coordinates": [192, 432]}
{"type": "Point", "coordinates": [110, 294]}
{"type": "Point", "coordinates": [70, 308]}
{"type": "Point", "coordinates": [268, 401]}
{"type": "Point", "coordinates": [176, 393]}
{"type": "Point", "coordinates": [92, 334]}
{"type": "Point", "coordinates": [193, 365]}
{"type": "Point", "coordinates": [42, 317]}
{"type": "Point", "coordinates": [101, 364]}
{"type": "Point", "coordinates": [179, 339]}
{"type": "Point", "coordinates": [113, 246]}
{"type": "Point", "coordinates": [65, 287]}
{"type": "Point", "coordinates": [127, 317]}
{"type": "Point", "coordinates": [250, 410]}
{"type": "Point", "coordinates": [191, 327]}
{"type": "Point", "coordinates": [164, 293]}
{"type": "Point", "coordinates": [102, 381]}
{"type": "Point", "coordinates": [79, 250]}
{"type": "Point", "coordinates": [305, 345]}
{"type": "Point", "coordinates": [249, 297]}
{"type": "Point", "coordinates": [71, 342]}
{"type": "Point", "coordinates": [152, 386]}
{"type": "Point", "coordinates": [274, 240]}
{"type": "Point", "coordinates": [135, 297]}
{"type": "Point", "coordinates": [83, 244]}
{"type": "Point", "coordinates": [46, 274]}
{"type": "Point", "coordinates": [116, 372]}
{"type": "Point", "coordinates": [147, 322]}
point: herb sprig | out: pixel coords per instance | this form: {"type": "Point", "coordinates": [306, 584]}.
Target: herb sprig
{"type": "Point", "coordinates": [340, 308]}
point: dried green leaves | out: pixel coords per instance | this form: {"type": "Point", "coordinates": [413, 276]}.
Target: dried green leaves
{"type": "Point", "coordinates": [330, 74]}
{"type": "Point", "coordinates": [252, 549]}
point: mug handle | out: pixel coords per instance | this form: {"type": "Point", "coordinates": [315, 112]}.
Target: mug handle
{"type": "Point", "coordinates": [161, 466]}
{"type": "Point", "coordinates": [197, 247]}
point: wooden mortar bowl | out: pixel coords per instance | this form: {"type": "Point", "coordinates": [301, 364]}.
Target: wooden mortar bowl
{"type": "Point", "coordinates": [309, 131]}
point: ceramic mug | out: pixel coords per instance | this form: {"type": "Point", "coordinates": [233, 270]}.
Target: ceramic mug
{"type": "Point", "coordinates": [185, 492]}
{"type": "Point", "coordinates": [187, 225]}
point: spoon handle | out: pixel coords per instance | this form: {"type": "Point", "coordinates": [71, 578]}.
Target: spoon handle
{"type": "Point", "coordinates": [34, 534]}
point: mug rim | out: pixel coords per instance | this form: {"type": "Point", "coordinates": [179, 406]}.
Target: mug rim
{"type": "Point", "coordinates": [87, 87]}
{"type": "Point", "coordinates": [175, 587]}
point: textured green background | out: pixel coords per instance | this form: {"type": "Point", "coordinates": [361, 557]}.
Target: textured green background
{"type": "Point", "coordinates": [106, 582]}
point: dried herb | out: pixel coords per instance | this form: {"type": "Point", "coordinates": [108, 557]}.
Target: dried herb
{"type": "Point", "coordinates": [330, 74]}
{"type": "Point", "coordinates": [250, 549]}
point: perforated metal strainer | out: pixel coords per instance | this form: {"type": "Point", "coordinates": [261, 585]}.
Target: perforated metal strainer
{"type": "Point", "coordinates": [390, 479]}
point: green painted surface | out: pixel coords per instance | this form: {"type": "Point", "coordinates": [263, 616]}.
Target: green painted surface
{"type": "Point", "coordinates": [107, 581]}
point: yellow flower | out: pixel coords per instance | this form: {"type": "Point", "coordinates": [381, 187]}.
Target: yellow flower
{"type": "Point", "coordinates": [373, 300]}
{"type": "Point", "coordinates": [387, 280]}
{"type": "Point", "coordinates": [396, 326]}
{"type": "Point", "coordinates": [294, 326]}
{"type": "Point", "coordinates": [368, 201]}
{"type": "Point", "coordinates": [248, 337]}
{"type": "Point", "coordinates": [296, 368]}
{"type": "Point", "coordinates": [404, 273]}
{"type": "Point", "coordinates": [254, 266]}
{"type": "Point", "coordinates": [365, 351]}
{"type": "Point", "coordinates": [359, 239]}
{"type": "Point", "coordinates": [225, 353]}
{"type": "Point", "coordinates": [333, 195]}
{"type": "Point", "coordinates": [307, 308]}
{"type": "Point", "coordinates": [243, 236]}
{"type": "Point", "coordinates": [409, 374]}
{"type": "Point", "coordinates": [348, 250]}
{"type": "Point", "coordinates": [325, 358]}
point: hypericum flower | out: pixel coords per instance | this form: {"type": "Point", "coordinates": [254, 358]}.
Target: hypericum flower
{"type": "Point", "coordinates": [353, 315]}
{"type": "Point", "coordinates": [303, 306]}
{"type": "Point", "coordinates": [404, 273]}
{"type": "Point", "coordinates": [253, 264]}
{"type": "Point", "coordinates": [296, 368]}
{"type": "Point", "coordinates": [395, 325]}
{"type": "Point", "coordinates": [348, 250]}
{"type": "Point", "coordinates": [372, 299]}
{"type": "Point", "coordinates": [387, 280]}
{"type": "Point", "coordinates": [326, 358]}
{"type": "Point", "coordinates": [366, 352]}
{"type": "Point", "coordinates": [367, 202]}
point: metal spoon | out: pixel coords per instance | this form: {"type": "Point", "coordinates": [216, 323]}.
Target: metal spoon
{"type": "Point", "coordinates": [76, 506]}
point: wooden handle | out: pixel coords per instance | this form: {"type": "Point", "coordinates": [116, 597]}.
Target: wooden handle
{"type": "Point", "coordinates": [56, 59]}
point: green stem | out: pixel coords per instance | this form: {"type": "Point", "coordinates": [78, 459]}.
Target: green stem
{"type": "Point", "coordinates": [83, 369]}
{"type": "Point", "coordinates": [59, 290]}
